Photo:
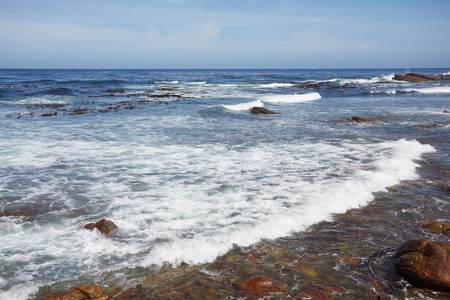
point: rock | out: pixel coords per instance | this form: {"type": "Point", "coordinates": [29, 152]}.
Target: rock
{"type": "Point", "coordinates": [328, 86]}
{"type": "Point", "coordinates": [436, 226]}
{"type": "Point", "coordinates": [116, 91]}
{"type": "Point", "coordinates": [429, 126]}
{"type": "Point", "coordinates": [416, 77]}
{"type": "Point", "coordinates": [104, 226]}
{"type": "Point", "coordinates": [261, 285]}
{"type": "Point", "coordinates": [425, 264]}
{"type": "Point", "coordinates": [84, 292]}
{"type": "Point", "coordinates": [361, 119]}
{"type": "Point", "coordinates": [446, 112]}
{"type": "Point", "coordinates": [261, 111]}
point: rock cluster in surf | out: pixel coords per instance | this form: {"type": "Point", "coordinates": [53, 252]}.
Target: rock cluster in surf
{"type": "Point", "coordinates": [83, 292]}
{"type": "Point", "coordinates": [416, 77]}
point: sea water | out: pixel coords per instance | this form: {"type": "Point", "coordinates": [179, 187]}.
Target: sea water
{"type": "Point", "coordinates": [177, 162]}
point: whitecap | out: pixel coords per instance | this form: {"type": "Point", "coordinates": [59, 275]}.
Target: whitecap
{"type": "Point", "coordinates": [296, 98]}
{"type": "Point", "coordinates": [244, 106]}
{"type": "Point", "coordinates": [196, 82]}
{"type": "Point", "coordinates": [46, 100]}
{"type": "Point", "coordinates": [276, 85]}
{"type": "Point", "coordinates": [433, 90]}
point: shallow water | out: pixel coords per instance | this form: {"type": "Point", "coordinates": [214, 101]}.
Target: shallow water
{"type": "Point", "coordinates": [177, 162]}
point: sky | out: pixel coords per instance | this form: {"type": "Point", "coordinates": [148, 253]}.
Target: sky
{"type": "Point", "coordinates": [224, 34]}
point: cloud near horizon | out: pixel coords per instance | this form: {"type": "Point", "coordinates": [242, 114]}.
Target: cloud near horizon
{"type": "Point", "coordinates": [203, 34]}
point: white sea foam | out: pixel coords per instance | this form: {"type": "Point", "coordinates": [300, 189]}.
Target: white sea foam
{"type": "Point", "coordinates": [196, 82]}
{"type": "Point", "coordinates": [176, 203]}
{"type": "Point", "coordinates": [244, 106]}
{"type": "Point", "coordinates": [389, 92]}
{"type": "Point", "coordinates": [20, 292]}
{"type": "Point", "coordinates": [309, 202]}
{"type": "Point", "coordinates": [433, 90]}
{"type": "Point", "coordinates": [297, 98]}
{"type": "Point", "coordinates": [48, 99]}
{"type": "Point", "coordinates": [168, 82]}
{"type": "Point", "coordinates": [275, 85]}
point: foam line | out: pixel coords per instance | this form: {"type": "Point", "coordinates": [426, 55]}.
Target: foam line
{"type": "Point", "coordinates": [297, 98]}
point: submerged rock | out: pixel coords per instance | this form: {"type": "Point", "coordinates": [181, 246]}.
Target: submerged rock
{"type": "Point", "coordinates": [83, 292]}
{"type": "Point", "coordinates": [261, 111]}
{"type": "Point", "coordinates": [425, 264]}
{"type": "Point", "coordinates": [104, 226]}
{"type": "Point", "coordinates": [416, 77]}
{"type": "Point", "coordinates": [429, 126]}
{"type": "Point", "coordinates": [373, 296]}
{"type": "Point", "coordinates": [436, 226]}
{"type": "Point", "coordinates": [261, 285]}
{"type": "Point", "coordinates": [321, 292]}
{"type": "Point", "coordinates": [361, 119]}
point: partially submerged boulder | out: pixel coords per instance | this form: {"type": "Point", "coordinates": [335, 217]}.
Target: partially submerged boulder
{"type": "Point", "coordinates": [425, 264]}
{"type": "Point", "coordinates": [436, 226]}
{"type": "Point", "coordinates": [104, 226]}
{"type": "Point", "coordinates": [416, 77]}
{"type": "Point", "coordinates": [361, 119]}
{"type": "Point", "coordinates": [261, 111]}
{"type": "Point", "coordinates": [83, 292]}
{"type": "Point", "coordinates": [261, 285]}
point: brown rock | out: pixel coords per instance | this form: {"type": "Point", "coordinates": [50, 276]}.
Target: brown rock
{"type": "Point", "coordinates": [425, 264]}
{"type": "Point", "coordinates": [410, 77]}
{"type": "Point", "coordinates": [84, 292]}
{"type": "Point", "coordinates": [446, 112]}
{"type": "Point", "coordinates": [261, 285]}
{"type": "Point", "coordinates": [116, 91]}
{"type": "Point", "coordinates": [361, 119]}
{"type": "Point", "coordinates": [436, 226]}
{"type": "Point", "coordinates": [104, 226]}
{"type": "Point", "coordinates": [428, 126]}
{"type": "Point", "coordinates": [261, 111]}
{"type": "Point", "coordinates": [416, 77]}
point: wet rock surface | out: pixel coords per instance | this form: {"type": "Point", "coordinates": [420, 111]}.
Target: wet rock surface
{"type": "Point", "coordinates": [260, 285]}
{"type": "Point", "coordinates": [104, 226]}
{"type": "Point", "coordinates": [84, 292]}
{"type": "Point", "coordinates": [261, 111]}
{"type": "Point", "coordinates": [416, 77]}
{"type": "Point", "coordinates": [434, 125]}
{"type": "Point", "coordinates": [362, 120]}
{"type": "Point", "coordinates": [436, 226]}
{"type": "Point", "coordinates": [425, 264]}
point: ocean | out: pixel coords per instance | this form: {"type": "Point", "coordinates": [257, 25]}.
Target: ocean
{"type": "Point", "coordinates": [177, 162]}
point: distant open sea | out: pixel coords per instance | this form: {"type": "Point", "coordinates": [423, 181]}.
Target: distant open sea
{"type": "Point", "coordinates": [177, 162]}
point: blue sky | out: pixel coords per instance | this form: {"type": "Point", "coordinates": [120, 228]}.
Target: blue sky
{"type": "Point", "coordinates": [224, 34]}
